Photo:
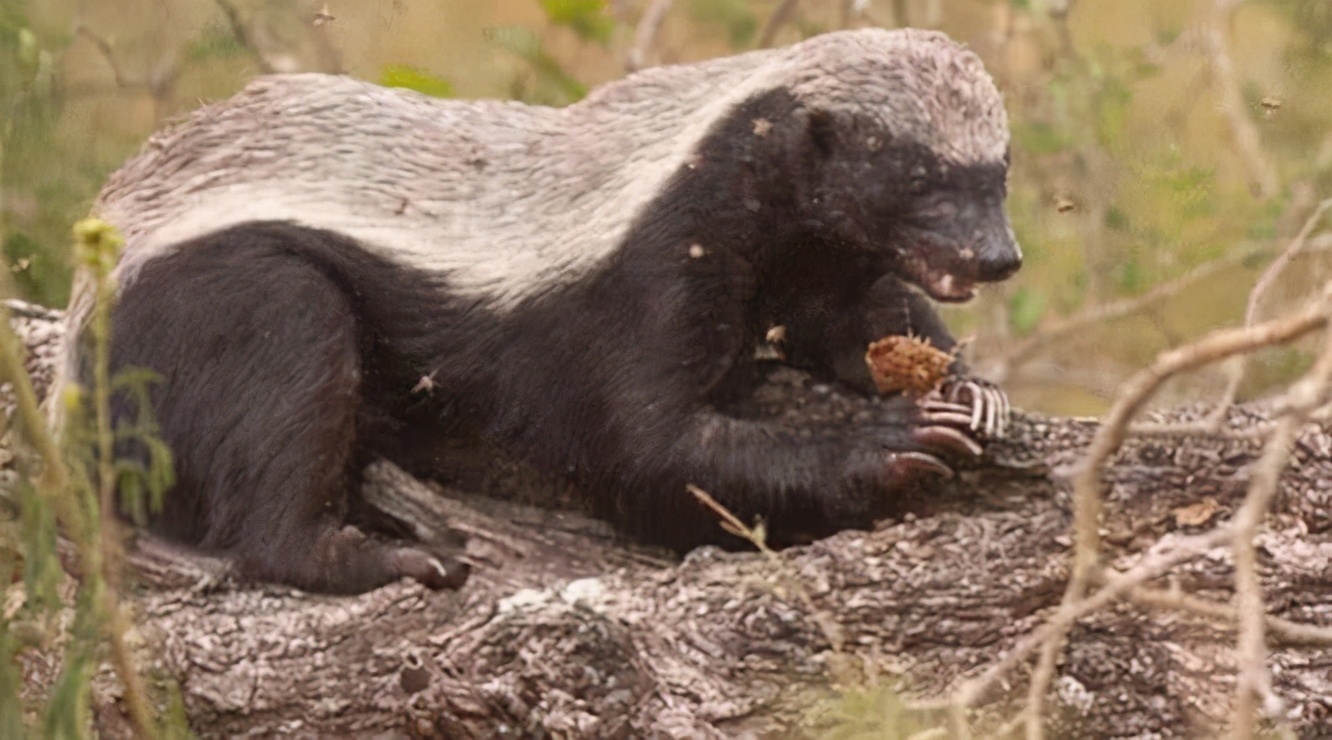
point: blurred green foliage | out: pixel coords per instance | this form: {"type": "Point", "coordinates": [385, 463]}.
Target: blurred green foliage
{"type": "Point", "coordinates": [734, 17]}
{"type": "Point", "coordinates": [869, 712]}
{"type": "Point", "coordinates": [587, 18]}
{"type": "Point", "coordinates": [551, 83]}
{"type": "Point", "coordinates": [1127, 174]}
{"type": "Point", "coordinates": [61, 629]}
{"type": "Point", "coordinates": [1126, 170]}
{"type": "Point", "coordinates": [411, 78]}
{"type": "Point", "coordinates": [34, 178]}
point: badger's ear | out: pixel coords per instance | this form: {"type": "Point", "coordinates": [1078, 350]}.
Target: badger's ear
{"type": "Point", "coordinates": [821, 130]}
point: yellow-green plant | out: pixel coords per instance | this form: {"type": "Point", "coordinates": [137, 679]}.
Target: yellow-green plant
{"type": "Point", "coordinates": [71, 494]}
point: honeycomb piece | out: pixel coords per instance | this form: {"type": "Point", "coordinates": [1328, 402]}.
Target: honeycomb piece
{"type": "Point", "coordinates": [908, 364]}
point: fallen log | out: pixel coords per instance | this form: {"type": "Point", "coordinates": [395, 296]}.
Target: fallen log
{"type": "Point", "coordinates": [567, 630]}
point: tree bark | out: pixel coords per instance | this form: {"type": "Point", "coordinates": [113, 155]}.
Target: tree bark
{"type": "Point", "coordinates": [566, 630]}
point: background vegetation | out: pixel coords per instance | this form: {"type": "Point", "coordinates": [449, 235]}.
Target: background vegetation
{"type": "Point", "coordinates": [1163, 153]}
{"type": "Point", "coordinates": [1150, 138]}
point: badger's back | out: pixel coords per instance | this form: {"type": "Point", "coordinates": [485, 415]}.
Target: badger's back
{"type": "Point", "coordinates": [502, 199]}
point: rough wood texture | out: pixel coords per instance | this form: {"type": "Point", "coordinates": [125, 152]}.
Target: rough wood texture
{"type": "Point", "coordinates": [566, 631]}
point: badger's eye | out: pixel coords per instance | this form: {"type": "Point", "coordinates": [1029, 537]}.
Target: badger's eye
{"type": "Point", "coordinates": [918, 184]}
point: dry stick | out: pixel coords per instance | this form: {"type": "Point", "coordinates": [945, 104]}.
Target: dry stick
{"type": "Point", "coordinates": [1253, 680]}
{"type": "Point", "coordinates": [1256, 295]}
{"type": "Point", "coordinates": [1279, 264]}
{"type": "Point", "coordinates": [779, 18]}
{"type": "Point", "coordinates": [731, 523]}
{"type": "Point", "coordinates": [1280, 630]}
{"type": "Point", "coordinates": [1261, 172]}
{"type": "Point", "coordinates": [1079, 322]}
{"type": "Point", "coordinates": [646, 34]}
{"type": "Point", "coordinates": [1110, 435]}
{"type": "Point", "coordinates": [1185, 549]}
{"type": "Point", "coordinates": [242, 35]}
{"type": "Point", "coordinates": [109, 55]}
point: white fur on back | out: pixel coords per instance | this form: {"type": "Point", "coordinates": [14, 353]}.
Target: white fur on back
{"type": "Point", "coordinates": [510, 200]}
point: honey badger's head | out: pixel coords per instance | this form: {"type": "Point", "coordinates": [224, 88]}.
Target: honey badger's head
{"type": "Point", "coordinates": [901, 145]}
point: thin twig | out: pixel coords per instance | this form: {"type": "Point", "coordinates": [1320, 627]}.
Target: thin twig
{"type": "Point", "coordinates": [645, 36]}
{"type": "Point", "coordinates": [1279, 630]}
{"type": "Point", "coordinates": [1185, 549]}
{"type": "Point", "coordinates": [109, 55]}
{"type": "Point", "coordinates": [1110, 435]}
{"type": "Point", "coordinates": [1004, 365]}
{"type": "Point", "coordinates": [731, 523]}
{"type": "Point", "coordinates": [1247, 141]}
{"type": "Point", "coordinates": [1283, 260]}
{"type": "Point", "coordinates": [1240, 365]}
{"type": "Point", "coordinates": [780, 17]}
{"type": "Point", "coordinates": [1253, 681]}
{"type": "Point", "coordinates": [242, 35]}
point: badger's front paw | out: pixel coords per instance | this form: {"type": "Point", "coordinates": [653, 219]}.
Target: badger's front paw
{"type": "Point", "coordinates": [985, 404]}
{"type": "Point", "coordinates": [916, 440]}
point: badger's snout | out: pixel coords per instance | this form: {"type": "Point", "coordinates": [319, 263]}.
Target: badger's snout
{"type": "Point", "coordinates": [998, 261]}
{"type": "Point", "coordinates": [997, 253]}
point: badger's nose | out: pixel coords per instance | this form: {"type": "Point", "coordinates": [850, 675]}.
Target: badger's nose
{"type": "Point", "coordinates": [999, 265]}
{"type": "Point", "coordinates": [999, 253]}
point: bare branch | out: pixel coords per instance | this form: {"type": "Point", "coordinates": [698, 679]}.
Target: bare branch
{"type": "Point", "coordinates": [1108, 438]}
{"type": "Point", "coordinates": [242, 34]}
{"type": "Point", "coordinates": [1262, 174]}
{"type": "Point", "coordinates": [1253, 680]}
{"type": "Point", "coordinates": [1004, 366]}
{"type": "Point", "coordinates": [780, 17]}
{"type": "Point", "coordinates": [1185, 549]}
{"type": "Point", "coordinates": [645, 36]}
{"type": "Point", "coordinates": [1283, 631]}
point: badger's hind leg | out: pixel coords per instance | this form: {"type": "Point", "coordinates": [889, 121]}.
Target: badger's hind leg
{"type": "Point", "coordinates": [260, 358]}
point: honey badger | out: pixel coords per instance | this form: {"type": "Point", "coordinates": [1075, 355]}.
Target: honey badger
{"type": "Point", "coordinates": [322, 271]}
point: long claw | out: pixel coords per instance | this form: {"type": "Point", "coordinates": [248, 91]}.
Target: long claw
{"type": "Point", "coordinates": [991, 412]}
{"type": "Point", "coordinates": [951, 418]}
{"type": "Point", "coordinates": [947, 437]}
{"type": "Point", "coordinates": [945, 407]}
{"type": "Point", "coordinates": [922, 462]}
{"type": "Point", "coordinates": [977, 405]}
{"type": "Point", "coordinates": [943, 412]}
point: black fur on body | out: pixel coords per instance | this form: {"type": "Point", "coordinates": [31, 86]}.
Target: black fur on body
{"type": "Point", "coordinates": [291, 355]}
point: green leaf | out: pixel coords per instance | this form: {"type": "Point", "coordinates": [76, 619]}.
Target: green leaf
{"type": "Point", "coordinates": [411, 78]}
{"type": "Point", "coordinates": [68, 715]}
{"type": "Point", "coordinates": [1116, 219]}
{"type": "Point", "coordinates": [525, 44]}
{"type": "Point", "coordinates": [587, 18]}
{"type": "Point", "coordinates": [1025, 310]}
{"type": "Point", "coordinates": [11, 684]}
{"type": "Point", "coordinates": [1131, 275]}
{"type": "Point", "coordinates": [1040, 138]}
{"type": "Point", "coordinates": [1111, 111]}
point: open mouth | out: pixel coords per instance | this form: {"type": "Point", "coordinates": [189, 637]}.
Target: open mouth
{"type": "Point", "coordinates": [938, 282]}
{"type": "Point", "coordinates": [943, 271]}
{"type": "Point", "coordinates": [948, 287]}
